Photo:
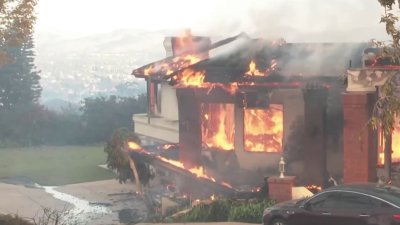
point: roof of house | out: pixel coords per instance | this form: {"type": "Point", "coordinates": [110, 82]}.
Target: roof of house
{"type": "Point", "coordinates": [227, 61]}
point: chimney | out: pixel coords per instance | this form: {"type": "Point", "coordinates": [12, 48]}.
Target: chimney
{"type": "Point", "coordinates": [186, 43]}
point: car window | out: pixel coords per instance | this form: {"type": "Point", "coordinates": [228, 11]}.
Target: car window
{"type": "Point", "coordinates": [378, 204]}
{"type": "Point", "coordinates": [324, 200]}
{"type": "Point", "coordinates": [391, 194]}
{"type": "Point", "coordinates": [355, 201]}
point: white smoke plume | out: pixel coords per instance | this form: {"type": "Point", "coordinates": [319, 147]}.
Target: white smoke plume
{"type": "Point", "coordinates": [298, 20]}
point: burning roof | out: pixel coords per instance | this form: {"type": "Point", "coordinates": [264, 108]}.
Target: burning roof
{"type": "Point", "coordinates": [241, 59]}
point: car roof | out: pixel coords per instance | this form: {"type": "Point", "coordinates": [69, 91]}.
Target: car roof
{"type": "Point", "coordinates": [386, 192]}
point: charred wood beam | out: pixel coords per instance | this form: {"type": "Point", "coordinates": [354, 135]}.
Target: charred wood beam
{"type": "Point", "coordinates": [165, 166]}
{"type": "Point", "coordinates": [214, 95]}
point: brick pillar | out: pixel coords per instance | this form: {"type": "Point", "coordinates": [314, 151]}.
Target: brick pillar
{"type": "Point", "coordinates": [315, 169]}
{"type": "Point", "coordinates": [359, 141]}
{"type": "Point", "coordinates": [280, 189]}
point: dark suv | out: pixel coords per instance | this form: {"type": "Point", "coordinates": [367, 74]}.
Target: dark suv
{"type": "Point", "coordinates": [357, 204]}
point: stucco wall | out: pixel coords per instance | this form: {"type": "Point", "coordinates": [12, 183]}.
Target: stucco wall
{"type": "Point", "coordinates": [169, 102]}
{"type": "Point", "coordinates": [158, 128]}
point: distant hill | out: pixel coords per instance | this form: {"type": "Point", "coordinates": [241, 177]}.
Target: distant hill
{"type": "Point", "coordinates": [79, 67]}
{"type": "Point", "coordinates": [118, 41]}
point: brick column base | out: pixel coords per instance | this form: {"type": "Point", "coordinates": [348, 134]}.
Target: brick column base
{"type": "Point", "coordinates": [280, 189]}
{"type": "Point", "coordinates": [359, 141]}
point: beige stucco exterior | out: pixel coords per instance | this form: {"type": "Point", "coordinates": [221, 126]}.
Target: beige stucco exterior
{"type": "Point", "coordinates": [169, 102]}
{"type": "Point", "coordinates": [157, 127]}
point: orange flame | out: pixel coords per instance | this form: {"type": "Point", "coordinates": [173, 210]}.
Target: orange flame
{"type": "Point", "coordinates": [264, 129]}
{"type": "Point", "coordinates": [166, 67]}
{"type": "Point", "coordinates": [172, 162]}
{"type": "Point", "coordinates": [148, 70]}
{"type": "Point", "coordinates": [395, 145]}
{"type": "Point", "coordinates": [198, 171]}
{"type": "Point", "coordinates": [253, 71]}
{"type": "Point", "coordinates": [134, 146]}
{"type": "Point", "coordinates": [183, 44]}
{"type": "Point", "coordinates": [191, 78]}
{"type": "Point", "coordinates": [218, 126]}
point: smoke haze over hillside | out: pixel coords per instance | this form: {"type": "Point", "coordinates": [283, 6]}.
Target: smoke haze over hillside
{"type": "Point", "coordinates": [92, 46]}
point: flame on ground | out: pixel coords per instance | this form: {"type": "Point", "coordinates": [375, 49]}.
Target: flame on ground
{"type": "Point", "coordinates": [395, 145]}
{"type": "Point", "coordinates": [264, 129]}
{"type": "Point", "coordinates": [197, 171]}
{"type": "Point", "coordinates": [218, 126]}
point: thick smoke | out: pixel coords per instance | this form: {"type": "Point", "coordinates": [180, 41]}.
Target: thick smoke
{"type": "Point", "coordinates": [298, 20]}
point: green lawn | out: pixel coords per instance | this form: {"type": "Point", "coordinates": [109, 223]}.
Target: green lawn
{"type": "Point", "coordinates": [55, 165]}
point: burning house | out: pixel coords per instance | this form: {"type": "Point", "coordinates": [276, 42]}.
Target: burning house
{"type": "Point", "coordinates": [232, 108]}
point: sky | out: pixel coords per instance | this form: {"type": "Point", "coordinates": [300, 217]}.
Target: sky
{"type": "Point", "coordinates": [299, 20]}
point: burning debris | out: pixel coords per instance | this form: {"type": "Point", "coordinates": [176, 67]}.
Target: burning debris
{"type": "Point", "coordinates": [197, 172]}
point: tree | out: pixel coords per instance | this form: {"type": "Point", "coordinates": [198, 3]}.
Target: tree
{"type": "Point", "coordinates": [387, 107]}
{"type": "Point", "coordinates": [126, 165]}
{"type": "Point", "coordinates": [19, 80]}
{"type": "Point", "coordinates": [103, 115]}
{"type": "Point", "coordinates": [16, 25]}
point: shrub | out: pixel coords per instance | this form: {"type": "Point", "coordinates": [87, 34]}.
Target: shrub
{"type": "Point", "coordinates": [249, 212]}
{"type": "Point", "coordinates": [225, 210]}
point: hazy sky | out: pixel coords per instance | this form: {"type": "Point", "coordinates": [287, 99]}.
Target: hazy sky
{"type": "Point", "coordinates": [294, 19]}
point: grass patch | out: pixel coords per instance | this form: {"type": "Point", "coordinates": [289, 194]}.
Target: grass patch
{"type": "Point", "coordinates": [55, 165]}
